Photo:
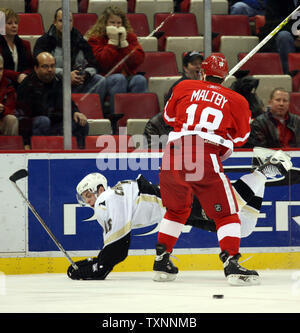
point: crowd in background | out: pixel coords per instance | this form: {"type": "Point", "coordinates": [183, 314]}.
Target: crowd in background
{"type": "Point", "coordinates": [105, 61]}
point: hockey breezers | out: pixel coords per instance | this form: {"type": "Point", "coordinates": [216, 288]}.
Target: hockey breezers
{"type": "Point", "coordinates": [20, 174]}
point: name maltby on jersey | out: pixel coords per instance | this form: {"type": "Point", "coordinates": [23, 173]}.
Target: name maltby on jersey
{"type": "Point", "coordinates": [209, 96]}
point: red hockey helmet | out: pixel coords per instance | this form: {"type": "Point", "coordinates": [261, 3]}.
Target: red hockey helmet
{"type": "Point", "coordinates": [215, 65]}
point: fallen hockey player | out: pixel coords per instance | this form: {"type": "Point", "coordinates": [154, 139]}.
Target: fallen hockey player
{"type": "Point", "coordinates": [136, 203]}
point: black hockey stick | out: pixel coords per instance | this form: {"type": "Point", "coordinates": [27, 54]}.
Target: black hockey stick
{"type": "Point", "coordinates": [20, 174]}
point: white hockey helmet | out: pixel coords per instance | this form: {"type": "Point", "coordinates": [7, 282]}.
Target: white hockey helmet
{"type": "Point", "coordinates": [90, 182]}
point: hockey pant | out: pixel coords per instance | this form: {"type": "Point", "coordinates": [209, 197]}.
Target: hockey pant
{"type": "Point", "coordinates": [203, 177]}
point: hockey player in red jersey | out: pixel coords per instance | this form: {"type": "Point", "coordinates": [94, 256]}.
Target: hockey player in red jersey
{"type": "Point", "coordinates": [209, 120]}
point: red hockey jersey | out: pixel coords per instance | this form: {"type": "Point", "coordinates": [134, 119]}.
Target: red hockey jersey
{"type": "Point", "coordinates": [210, 110]}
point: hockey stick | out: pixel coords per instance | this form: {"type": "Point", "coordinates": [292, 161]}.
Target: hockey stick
{"type": "Point", "coordinates": [261, 44]}
{"type": "Point", "coordinates": [20, 174]}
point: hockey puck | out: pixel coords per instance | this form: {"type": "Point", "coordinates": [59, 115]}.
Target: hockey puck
{"type": "Point", "coordinates": [218, 296]}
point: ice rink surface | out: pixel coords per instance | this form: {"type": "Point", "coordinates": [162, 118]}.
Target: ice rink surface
{"type": "Point", "coordinates": [135, 292]}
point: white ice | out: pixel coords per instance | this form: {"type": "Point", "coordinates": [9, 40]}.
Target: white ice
{"type": "Point", "coordinates": [135, 292]}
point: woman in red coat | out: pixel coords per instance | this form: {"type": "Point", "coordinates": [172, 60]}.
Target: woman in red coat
{"type": "Point", "coordinates": [118, 53]}
{"type": "Point", "coordinates": [16, 52]}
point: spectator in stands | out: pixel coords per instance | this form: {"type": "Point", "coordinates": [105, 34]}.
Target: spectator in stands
{"type": "Point", "coordinates": [8, 120]}
{"type": "Point", "coordinates": [16, 52]}
{"type": "Point", "coordinates": [40, 100]}
{"type": "Point", "coordinates": [118, 53]}
{"type": "Point", "coordinates": [247, 7]}
{"type": "Point", "coordinates": [276, 128]}
{"type": "Point", "coordinates": [285, 41]}
{"type": "Point", "coordinates": [156, 126]}
{"type": "Point", "coordinates": [84, 68]}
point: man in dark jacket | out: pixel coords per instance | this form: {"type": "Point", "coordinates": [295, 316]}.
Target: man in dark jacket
{"type": "Point", "coordinates": [276, 128]}
{"type": "Point", "coordinates": [40, 104]}
{"type": "Point", "coordinates": [285, 41]}
{"type": "Point", "coordinates": [84, 77]}
{"type": "Point", "coordinates": [156, 130]}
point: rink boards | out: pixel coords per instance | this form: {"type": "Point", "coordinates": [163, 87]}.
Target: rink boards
{"type": "Point", "coordinates": [25, 246]}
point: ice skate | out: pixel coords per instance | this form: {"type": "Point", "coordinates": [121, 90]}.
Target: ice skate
{"type": "Point", "coordinates": [164, 269]}
{"type": "Point", "coordinates": [271, 163]}
{"type": "Point", "coordinates": [235, 273]}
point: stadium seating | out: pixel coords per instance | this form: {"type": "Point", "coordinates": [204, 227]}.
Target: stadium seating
{"type": "Point", "coordinates": [135, 106]}
{"type": "Point", "coordinates": [259, 21]}
{"type": "Point", "coordinates": [11, 142]}
{"type": "Point", "coordinates": [50, 142]}
{"type": "Point", "coordinates": [90, 106]}
{"type": "Point", "coordinates": [149, 44]}
{"type": "Point", "coordinates": [136, 126]}
{"type": "Point", "coordinates": [47, 9]}
{"type": "Point", "coordinates": [179, 45]}
{"type": "Point", "coordinates": [269, 82]}
{"type": "Point", "coordinates": [160, 86]}
{"type": "Point", "coordinates": [30, 24]}
{"type": "Point", "coordinates": [294, 61]}
{"type": "Point", "coordinates": [231, 46]}
{"type": "Point", "coordinates": [262, 63]}
{"type": "Point", "coordinates": [84, 21]}
{"type": "Point", "coordinates": [150, 7]}
{"type": "Point", "coordinates": [139, 24]}
{"type": "Point", "coordinates": [229, 25]}
{"type": "Point", "coordinates": [159, 64]}
{"type": "Point", "coordinates": [110, 143]}
{"type": "Point", "coordinates": [178, 24]}
{"type": "Point", "coordinates": [98, 6]}
{"type": "Point", "coordinates": [16, 5]}
{"type": "Point", "coordinates": [218, 7]}
{"type": "Point", "coordinates": [295, 103]}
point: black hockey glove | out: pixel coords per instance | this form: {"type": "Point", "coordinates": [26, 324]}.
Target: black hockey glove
{"type": "Point", "coordinates": [88, 269]}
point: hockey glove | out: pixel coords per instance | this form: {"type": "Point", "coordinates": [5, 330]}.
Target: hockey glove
{"type": "Point", "coordinates": [88, 269]}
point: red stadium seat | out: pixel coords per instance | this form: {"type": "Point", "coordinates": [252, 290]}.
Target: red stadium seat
{"type": "Point", "coordinates": [109, 143]}
{"type": "Point", "coordinates": [229, 25]}
{"type": "Point", "coordinates": [33, 5]}
{"type": "Point", "coordinates": [294, 61]}
{"type": "Point", "coordinates": [262, 64]}
{"type": "Point", "coordinates": [50, 142]}
{"type": "Point", "coordinates": [84, 21]}
{"type": "Point", "coordinates": [139, 23]}
{"type": "Point", "coordinates": [83, 6]}
{"type": "Point", "coordinates": [295, 103]}
{"type": "Point", "coordinates": [185, 6]}
{"type": "Point", "coordinates": [11, 142]}
{"type": "Point", "coordinates": [159, 64]}
{"type": "Point", "coordinates": [131, 6]}
{"type": "Point", "coordinates": [179, 24]}
{"type": "Point", "coordinates": [260, 21]}
{"type": "Point", "coordinates": [30, 24]}
{"type": "Point", "coordinates": [89, 105]}
{"type": "Point", "coordinates": [136, 106]}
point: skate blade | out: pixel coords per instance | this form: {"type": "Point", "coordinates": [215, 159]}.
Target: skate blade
{"type": "Point", "coordinates": [163, 276]}
{"type": "Point", "coordinates": [243, 280]}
